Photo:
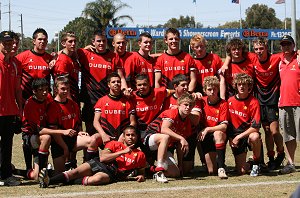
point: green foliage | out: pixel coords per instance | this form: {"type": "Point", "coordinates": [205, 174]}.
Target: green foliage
{"type": "Point", "coordinates": [182, 22]}
{"type": "Point", "coordinates": [261, 16]}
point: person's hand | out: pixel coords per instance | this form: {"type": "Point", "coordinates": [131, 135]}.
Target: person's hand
{"type": "Point", "coordinates": [197, 95]}
{"type": "Point", "coordinates": [106, 138]}
{"type": "Point", "coordinates": [202, 134]}
{"type": "Point", "coordinates": [90, 48]}
{"type": "Point", "coordinates": [70, 132]}
{"type": "Point", "coordinates": [140, 178]}
{"type": "Point", "coordinates": [52, 63]}
{"type": "Point", "coordinates": [127, 92]}
{"type": "Point", "coordinates": [235, 141]}
{"type": "Point", "coordinates": [184, 146]}
{"type": "Point", "coordinates": [128, 149]}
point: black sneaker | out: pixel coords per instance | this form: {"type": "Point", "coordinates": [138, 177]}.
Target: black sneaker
{"type": "Point", "coordinates": [278, 160]}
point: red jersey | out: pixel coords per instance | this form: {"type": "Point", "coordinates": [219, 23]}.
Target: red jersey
{"type": "Point", "coordinates": [148, 107]}
{"type": "Point", "coordinates": [66, 65]}
{"type": "Point", "coordinates": [290, 83]}
{"type": "Point", "coordinates": [63, 115]}
{"type": "Point", "coordinates": [9, 78]}
{"type": "Point", "coordinates": [171, 65]}
{"type": "Point", "coordinates": [115, 113]}
{"type": "Point", "coordinates": [180, 126]}
{"type": "Point", "coordinates": [34, 115]}
{"type": "Point", "coordinates": [215, 114]}
{"type": "Point", "coordinates": [124, 57]}
{"type": "Point", "coordinates": [135, 159]}
{"type": "Point", "coordinates": [243, 114]}
{"type": "Point", "coordinates": [137, 64]}
{"type": "Point", "coordinates": [94, 69]}
{"type": "Point", "coordinates": [245, 66]}
{"type": "Point", "coordinates": [34, 66]}
{"type": "Point", "coordinates": [207, 66]}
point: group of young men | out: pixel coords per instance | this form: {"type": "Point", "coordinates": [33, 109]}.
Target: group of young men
{"type": "Point", "coordinates": [139, 108]}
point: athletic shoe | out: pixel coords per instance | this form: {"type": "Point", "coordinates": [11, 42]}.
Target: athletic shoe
{"type": "Point", "coordinates": [44, 178]}
{"type": "Point", "coordinates": [279, 159]}
{"type": "Point", "coordinates": [255, 170]}
{"type": "Point", "coordinates": [160, 177]}
{"type": "Point", "coordinates": [289, 168]}
{"type": "Point", "coordinates": [222, 173]}
{"type": "Point", "coordinates": [11, 181]}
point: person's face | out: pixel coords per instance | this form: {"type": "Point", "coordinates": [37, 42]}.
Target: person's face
{"type": "Point", "coordinates": [143, 86]}
{"type": "Point", "coordinates": [41, 93]}
{"type": "Point", "coordinates": [115, 84]}
{"type": "Point", "coordinates": [6, 47]}
{"type": "Point", "coordinates": [119, 44]}
{"type": "Point", "coordinates": [212, 91]}
{"type": "Point", "coordinates": [185, 108]}
{"type": "Point", "coordinates": [15, 46]}
{"type": "Point", "coordinates": [130, 137]}
{"type": "Point", "coordinates": [181, 88]}
{"type": "Point", "coordinates": [70, 44]}
{"type": "Point", "coordinates": [199, 49]}
{"type": "Point", "coordinates": [63, 90]}
{"type": "Point", "coordinates": [261, 51]}
{"type": "Point", "coordinates": [236, 52]}
{"type": "Point", "coordinates": [243, 89]}
{"type": "Point", "coordinates": [100, 43]}
{"type": "Point", "coordinates": [40, 42]}
{"type": "Point", "coordinates": [172, 41]}
{"type": "Point", "coordinates": [145, 44]}
{"type": "Point", "coordinates": [287, 47]}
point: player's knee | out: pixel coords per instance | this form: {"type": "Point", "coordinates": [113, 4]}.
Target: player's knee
{"type": "Point", "coordinates": [163, 138]}
{"type": "Point", "coordinates": [45, 138]}
{"type": "Point", "coordinates": [219, 136]}
{"type": "Point", "coordinates": [254, 138]}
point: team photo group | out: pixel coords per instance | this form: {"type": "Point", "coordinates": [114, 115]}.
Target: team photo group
{"type": "Point", "coordinates": [138, 116]}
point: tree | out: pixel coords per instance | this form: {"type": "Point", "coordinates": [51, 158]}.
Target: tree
{"type": "Point", "coordinates": [104, 13]}
{"type": "Point", "coordinates": [83, 28]}
{"type": "Point", "coordinates": [183, 22]}
{"type": "Point", "coordinates": [261, 16]}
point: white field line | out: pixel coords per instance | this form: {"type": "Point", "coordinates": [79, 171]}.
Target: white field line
{"type": "Point", "coordinates": [75, 194]}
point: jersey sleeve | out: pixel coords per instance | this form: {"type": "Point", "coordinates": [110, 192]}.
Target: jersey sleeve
{"type": "Point", "coordinates": [60, 66]}
{"type": "Point", "coordinates": [98, 106]}
{"type": "Point", "coordinates": [110, 146]}
{"type": "Point", "coordinates": [255, 114]}
{"type": "Point", "coordinates": [224, 113]}
{"type": "Point", "coordinates": [53, 115]}
{"type": "Point", "coordinates": [169, 115]}
{"type": "Point", "coordinates": [159, 64]}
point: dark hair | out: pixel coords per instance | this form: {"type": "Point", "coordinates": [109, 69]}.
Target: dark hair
{"type": "Point", "coordinates": [99, 33]}
{"type": "Point", "coordinates": [39, 30]}
{"type": "Point", "coordinates": [235, 43]}
{"type": "Point", "coordinates": [112, 75]}
{"type": "Point", "coordinates": [142, 76]}
{"type": "Point", "coordinates": [15, 36]}
{"type": "Point", "coordinates": [173, 31]}
{"type": "Point", "coordinates": [39, 82]}
{"type": "Point", "coordinates": [179, 78]}
{"type": "Point", "coordinates": [144, 34]}
{"type": "Point", "coordinates": [129, 127]}
{"type": "Point", "coordinates": [242, 78]}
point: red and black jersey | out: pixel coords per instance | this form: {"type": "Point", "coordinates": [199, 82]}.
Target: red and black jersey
{"type": "Point", "coordinates": [64, 115]}
{"type": "Point", "coordinates": [137, 64]}
{"type": "Point", "coordinates": [148, 107]}
{"type": "Point", "coordinates": [215, 114]}
{"type": "Point", "coordinates": [135, 159]}
{"type": "Point", "coordinates": [34, 115]}
{"type": "Point", "coordinates": [180, 126]}
{"type": "Point", "coordinates": [243, 114]}
{"type": "Point", "coordinates": [209, 65]}
{"type": "Point", "coordinates": [66, 65]}
{"type": "Point", "coordinates": [9, 79]}
{"type": "Point", "coordinates": [290, 83]}
{"type": "Point", "coordinates": [115, 114]}
{"type": "Point", "coordinates": [124, 57]}
{"type": "Point", "coordinates": [94, 69]}
{"type": "Point", "coordinates": [171, 65]}
{"type": "Point", "coordinates": [245, 66]}
{"type": "Point", "coordinates": [34, 66]}
{"type": "Point", "coordinates": [267, 80]}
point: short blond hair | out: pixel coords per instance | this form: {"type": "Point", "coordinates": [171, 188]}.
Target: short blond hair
{"type": "Point", "coordinates": [198, 38]}
{"type": "Point", "coordinates": [211, 81]}
{"type": "Point", "coordinates": [242, 78]}
{"type": "Point", "coordinates": [186, 97]}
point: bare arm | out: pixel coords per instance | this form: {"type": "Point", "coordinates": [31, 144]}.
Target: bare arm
{"type": "Point", "coordinates": [105, 137]}
{"type": "Point", "coordinates": [157, 79]}
{"type": "Point", "coordinates": [123, 80]}
{"type": "Point", "coordinates": [193, 81]}
{"type": "Point", "coordinates": [246, 133]}
{"type": "Point", "coordinates": [222, 87]}
{"type": "Point", "coordinates": [107, 156]}
{"type": "Point", "coordinates": [204, 132]}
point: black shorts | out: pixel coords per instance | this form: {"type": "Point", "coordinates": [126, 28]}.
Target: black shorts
{"type": "Point", "coordinates": [110, 170]}
{"type": "Point", "coordinates": [243, 147]}
{"type": "Point", "coordinates": [208, 144]}
{"type": "Point", "coordinates": [87, 114]}
{"type": "Point", "coordinates": [269, 113]}
{"type": "Point", "coordinates": [57, 151]}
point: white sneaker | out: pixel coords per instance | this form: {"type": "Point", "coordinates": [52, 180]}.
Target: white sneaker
{"type": "Point", "coordinates": [160, 177]}
{"type": "Point", "coordinates": [222, 173]}
{"type": "Point", "coordinates": [289, 168]}
{"type": "Point", "coordinates": [255, 170]}
{"type": "Point", "coordinates": [11, 181]}
{"type": "Point", "coordinates": [44, 178]}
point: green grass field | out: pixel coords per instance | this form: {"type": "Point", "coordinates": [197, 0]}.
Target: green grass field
{"type": "Point", "coordinates": [199, 185]}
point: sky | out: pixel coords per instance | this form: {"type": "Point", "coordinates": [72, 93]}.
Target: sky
{"type": "Point", "coordinates": [54, 15]}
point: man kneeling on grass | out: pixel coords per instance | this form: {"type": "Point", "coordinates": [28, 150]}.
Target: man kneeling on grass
{"type": "Point", "coordinates": [119, 162]}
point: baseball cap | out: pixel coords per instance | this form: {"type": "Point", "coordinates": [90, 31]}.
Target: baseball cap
{"type": "Point", "coordinates": [287, 38]}
{"type": "Point", "coordinates": [6, 36]}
